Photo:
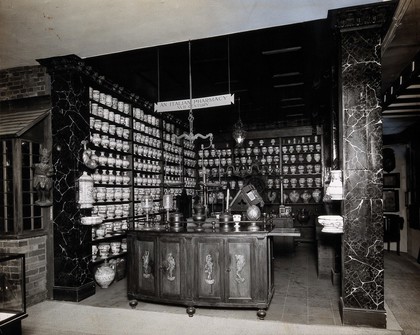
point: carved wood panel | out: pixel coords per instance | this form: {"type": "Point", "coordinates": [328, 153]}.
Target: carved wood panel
{"type": "Point", "coordinates": [209, 272]}
{"type": "Point", "coordinates": [239, 264]}
{"type": "Point", "coordinates": [170, 268]}
{"type": "Point", "coordinates": [146, 275]}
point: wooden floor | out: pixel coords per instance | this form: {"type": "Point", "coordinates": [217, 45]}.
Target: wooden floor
{"type": "Point", "coordinates": [300, 296]}
{"type": "Point", "coordinates": [303, 304]}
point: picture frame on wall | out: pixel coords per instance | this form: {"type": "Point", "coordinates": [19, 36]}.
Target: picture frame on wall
{"type": "Point", "coordinates": [391, 180]}
{"type": "Point", "coordinates": [391, 201]}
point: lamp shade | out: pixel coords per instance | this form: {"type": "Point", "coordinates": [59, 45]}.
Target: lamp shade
{"type": "Point", "coordinates": [147, 202]}
{"type": "Point", "coordinates": [168, 201]}
{"type": "Point", "coordinates": [239, 133]}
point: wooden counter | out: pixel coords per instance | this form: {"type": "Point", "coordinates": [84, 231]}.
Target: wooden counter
{"type": "Point", "coordinates": [213, 267]}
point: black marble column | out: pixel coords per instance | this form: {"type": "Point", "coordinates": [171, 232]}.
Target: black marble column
{"type": "Point", "coordinates": [73, 279]}
{"type": "Point", "coordinates": [70, 81]}
{"type": "Point", "coordinates": [360, 30]}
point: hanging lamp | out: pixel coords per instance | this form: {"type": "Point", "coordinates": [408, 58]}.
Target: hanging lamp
{"type": "Point", "coordinates": [191, 137]}
{"type": "Point", "coordinates": [239, 133]}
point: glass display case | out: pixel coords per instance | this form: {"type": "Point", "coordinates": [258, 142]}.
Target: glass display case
{"type": "Point", "coordinates": [12, 293]}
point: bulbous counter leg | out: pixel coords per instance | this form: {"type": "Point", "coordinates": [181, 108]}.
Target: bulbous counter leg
{"type": "Point", "coordinates": [190, 311]}
{"type": "Point", "coordinates": [133, 303]}
{"type": "Point", "coordinates": [261, 313]}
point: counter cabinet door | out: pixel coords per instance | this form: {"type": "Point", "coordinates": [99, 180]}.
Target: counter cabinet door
{"type": "Point", "coordinates": [240, 267]}
{"type": "Point", "coordinates": [145, 250]}
{"type": "Point", "coordinates": [171, 267]}
{"type": "Point", "coordinates": [208, 272]}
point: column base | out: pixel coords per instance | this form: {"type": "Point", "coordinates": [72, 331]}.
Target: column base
{"type": "Point", "coordinates": [75, 294]}
{"type": "Point", "coordinates": [362, 317]}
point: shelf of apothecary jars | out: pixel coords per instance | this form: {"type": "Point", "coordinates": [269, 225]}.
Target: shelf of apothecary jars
{"type": "Point", "coordinates": [172, 161]}
{"type": "Point", "coordinates": [146, 128]}
{"type": "Point", "coordinates": [173, 175]}
{"type": "Point", "coordinates": [139, 202]}
{"type": "Point", "coordinates": [141, 190]}
{"type": "Point", "coordinates": [291, 175]}
{"type": "Point", "coordinates": [106, 127]}
{"type": "Point", "coordinates": [123, 123]}
{"type": "Point", "coordinates": [102, 141]}
{"type": "Point", "coordinates": [294, 144]}
{"type": "Point", "coordinates": [147, 145]}
{"type": "Point", "coordinates": [256, 156]}
{"type": "Point", "coordinates": [173, 153]}
{"type": "Point", "coordinates": [191, 164]}
{"type": "Point", "coordinates": [305, 158]}
{"type": "Point", "coordinates": [121, 177]}
{"type": "Point", "coordinates": [147, 164]}
{"type": "Point", "coordinates": [99, 259]}
{"type": "Point", "coordinates": [143, 171]}
{"type": "Point", "coordinates": [113, 163]}
{"type": "Point", "coordinates": [139, 137]}
{"type": "Point", "coordinates": [139, 146]}
{"type": "Point", "coordinates": [146, 157]}
{"type": "Point", "coordinates": [112, 202]}
{"type": "Point", "coordinates": [140, 219]}
{"type": "Point", "coordinates": [147, 179]}
{"type": "Point", "coordinates": [189, 156]}
{"type": "Point", "coordinates": [112, 185]}
{"type": "Point", "coordinates": [146, 123]}
{"type": "Point", "coordinates": [140, 115]}
{"type": "Point", "coordinates": [111, 179]}
{"type": "Point", "coordinates": [174, 144]}
{"type": "Point", "coordinates": [109, 114]}
{"type": "Point", "coordinates": [301, 139]}
{"type": "Point", "coordinates": [118, 146]}
{"type": "Point", "coordinates": [113, 159]}
{"type": "Point", "coordinates": [110, 229]}
{"type": "Point", "coordinates": [305, 166]}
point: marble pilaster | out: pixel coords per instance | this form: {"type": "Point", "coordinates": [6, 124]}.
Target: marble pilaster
{"type": "Point", "coordinates": [70, 81]}
{"type": "Point", "coordinates": [73, 278]}
{"type": "Point", "coordinates": [360, 31]}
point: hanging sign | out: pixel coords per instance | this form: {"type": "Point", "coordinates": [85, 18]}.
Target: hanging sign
{"type": "Point", "coordinates": [197, 103]}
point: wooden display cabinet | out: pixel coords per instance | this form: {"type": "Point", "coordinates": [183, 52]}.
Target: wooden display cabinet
{"type": "Point", "coordinates": [12, 293]}
{"type": "Point", "coordinates": [209, 268]}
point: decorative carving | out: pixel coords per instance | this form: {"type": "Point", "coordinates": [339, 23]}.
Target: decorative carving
{"type": "Point", "coordinates": [208, 269]}
{"type": "Point", "coordinates": [369, 15]}
{"type": "Point", "coordinates": [43, 171]}
{"type": "Point", "coordinates": [170, 266]}
{"type": "Point", "coordinates": [146, 264]}
{"type": "Point", "coordinates": [240, 263]}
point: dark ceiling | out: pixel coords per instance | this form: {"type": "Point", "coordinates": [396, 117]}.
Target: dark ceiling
{"type": "Point", "coordinates": [281, 75]}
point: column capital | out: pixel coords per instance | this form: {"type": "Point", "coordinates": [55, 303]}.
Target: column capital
{"type": "Point", "coordinates": [360, 17]}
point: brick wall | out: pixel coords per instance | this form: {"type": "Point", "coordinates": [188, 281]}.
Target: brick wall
{"type": "Point", "coordinates": [24, 82]}
{"type": "Point", "coordinates": [35, 251]}
{"type": "Point", "coordinates": [18, 84]}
